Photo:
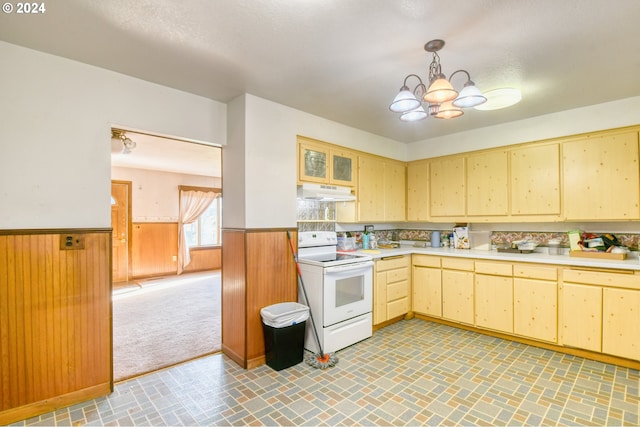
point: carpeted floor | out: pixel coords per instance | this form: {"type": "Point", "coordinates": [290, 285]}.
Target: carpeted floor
{"type": "Point", "coordinates": [161, 322]}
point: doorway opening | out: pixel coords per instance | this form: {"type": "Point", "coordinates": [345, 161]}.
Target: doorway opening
{"type": "Point", "coordinates": [166, 309]}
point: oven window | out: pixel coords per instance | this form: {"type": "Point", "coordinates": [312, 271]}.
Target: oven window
{"type": "Point", "coordinates": [349, 290]}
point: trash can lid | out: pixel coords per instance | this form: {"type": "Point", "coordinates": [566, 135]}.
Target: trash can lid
{"type": "Point", "coordinates": [284, 314]}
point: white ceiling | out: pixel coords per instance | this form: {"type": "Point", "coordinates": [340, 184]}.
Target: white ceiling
{"type": "Point", "coordinates": [346, 59]}
{"type": "Point", "coordinates": [167, 155]}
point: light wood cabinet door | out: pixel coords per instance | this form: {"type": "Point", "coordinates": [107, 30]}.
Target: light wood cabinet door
{"type": "Point", "coordinates": [457, 296]}
{"type": "Point", "coordinates": [380, 298]}
{"type": "Point", "coordinates": [391, 288]}
{"type": "Point", "coordinates": [581, 316]}
{"type": "Point", "coordinates": [371, 188]}
{"type": "Point", "coordinates": [447, 196]}
{"type": "Point", "coordinates": [535, 180]}
{"type": "Point", "coordinates": [601, 177]}
{"type": "Point", "coordinates": [494, 302]}
{"type": "Point", "coordinates": [535, 309]}
{"type": "Point", "coordinates": [487, 184]}
{"type": "Point", "coordinates": [342, 167]}
{"type": "Point", "coordinates": [381, 189]}
{"type": "Point", "coordinates": [313, 162]}
{"type": "Point", "coordinates": [427, 291]}
{"type": "Point", "coordinates": [418, 191]}
{"type": "Point", "coordinates": [621, 322]}
{"type": "Point", "coordinates": [395, 190]}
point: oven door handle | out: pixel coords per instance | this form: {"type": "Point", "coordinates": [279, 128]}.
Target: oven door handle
{"type": "Point", "coordinates": [349, 267]}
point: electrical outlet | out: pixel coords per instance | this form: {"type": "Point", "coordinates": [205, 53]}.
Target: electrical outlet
{"type": "Point", "coordinates": [71, 241]}
{"type": "Point", "coordinates": [174, 258]}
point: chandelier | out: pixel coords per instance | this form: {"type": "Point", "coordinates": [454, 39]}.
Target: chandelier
{"type": "Point", "coordinates": [443, 101]}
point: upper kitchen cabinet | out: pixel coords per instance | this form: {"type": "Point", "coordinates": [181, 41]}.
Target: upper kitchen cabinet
{"type": "Point", "coordinates": [324, 163]}
{"type": "Point", "coordinates": [381, 189]}
{"type": "Point", "coordinates": [447, 197]}
{"type": "Point", "coordinates": [601, 179]}
{"type": "Point", "coordinates": [342, 167]}
{"type": "Point", "coordinates": [535, 180]}
{"type": "Point", "coordinates": [487, 184]}
{"type": "Point", "coordinates": [418, 191]}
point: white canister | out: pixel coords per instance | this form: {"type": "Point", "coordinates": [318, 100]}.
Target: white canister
{"type": "Point", "coordinates": [435, 239]}
{"type": "Point", "coordinates": [554, 246]}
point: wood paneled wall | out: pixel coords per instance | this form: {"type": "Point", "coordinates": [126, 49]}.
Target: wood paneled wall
{"type": "Point", "coordinates": [55, 321]}
{"type": "Point", "coordinates": [205, 259]}
{"type": "Point", "coordinates": [153, 248]}
{"type": "Point", "coordinates": [257, 270]}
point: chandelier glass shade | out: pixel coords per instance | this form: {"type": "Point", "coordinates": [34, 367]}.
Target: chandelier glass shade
{"type": "Point", "coordinates": [413, 115]}
{"type": "Point", "coordinates": [442, 99]}
{"type": "Point", "coordinates": [448, 110]}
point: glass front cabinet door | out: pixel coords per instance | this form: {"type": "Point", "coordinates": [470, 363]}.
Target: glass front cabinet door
{"type": "Point", "coordinates": [325, 164]}
{"type": "Point", "coordinates": [342, 168]}
{"type": "Point", "coordinates": [313, 163]}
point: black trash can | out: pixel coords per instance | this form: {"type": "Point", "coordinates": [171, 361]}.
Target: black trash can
{"type": "Point", "coordinates": [284, 330]}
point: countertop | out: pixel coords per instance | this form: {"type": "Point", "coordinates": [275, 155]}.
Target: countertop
{"type": "Point", "coordinates": [540, 256]}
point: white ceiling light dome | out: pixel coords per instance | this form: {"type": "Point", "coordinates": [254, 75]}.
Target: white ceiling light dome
{"type": "Point", "coordinates": [500, 98]}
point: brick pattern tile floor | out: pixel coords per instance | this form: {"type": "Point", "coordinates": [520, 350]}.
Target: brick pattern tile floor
{"type": "Point", "coordinates": [410, 373]}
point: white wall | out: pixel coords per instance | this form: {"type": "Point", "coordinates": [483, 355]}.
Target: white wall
{"type": "Point", "coordinates": [625, 112]}
{"type": "Point", "coordinates": [267, 133]}
{"type": "Point", "coordinates": [155, 195]}
{"type": "Point", "coordinates": [55, 135]}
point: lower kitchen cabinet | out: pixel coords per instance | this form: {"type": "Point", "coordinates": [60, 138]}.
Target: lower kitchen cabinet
{"type": "Point", "coordinates": [621, 320]}
{"type": "Point", "coordinates": [494, 302]}
{"type": "Point", "coordinates": [599, 311]}
{"type": "Point", "coordinates": [457, 290]}
{"type": "Point", "coordinates": [581, 316]}
{"type": "Point", "coordinates": [391, 288]}
{"type": "Point", "coordinates": [494, 296]}
{"type": "Point", "coordinates": [426, 281]}
{"type": "Point", "coordinates": [535, 302]}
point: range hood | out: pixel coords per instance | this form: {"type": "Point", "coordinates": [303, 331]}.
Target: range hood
{"type": "Point", "coordinates": [325, 192]}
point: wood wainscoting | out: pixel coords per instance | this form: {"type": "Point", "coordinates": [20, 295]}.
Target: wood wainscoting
{"type": "Point", "coordinates": [258, 270]}
{"type": "Point", "coordinates": [154, 247]}
{"type": "Point", "coordinates": [205, 258]}
{"type": "Point", "coordinates": [55, 320]}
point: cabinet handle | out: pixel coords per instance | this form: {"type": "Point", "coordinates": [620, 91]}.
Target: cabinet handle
{"type": "Point", "coordinates": [392, 257]}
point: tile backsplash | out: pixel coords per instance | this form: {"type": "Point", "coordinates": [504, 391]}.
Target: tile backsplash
{"type": "Point", "coordinates": [316, 215]}
{"type": "Point", "coordinates": [629, 240]}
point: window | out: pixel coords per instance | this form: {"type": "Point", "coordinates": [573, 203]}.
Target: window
{"type": "Point", "coordinates": [205, 231]}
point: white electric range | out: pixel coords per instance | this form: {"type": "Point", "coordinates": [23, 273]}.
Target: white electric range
{"type": "Point", "coordinates": [340, 291]}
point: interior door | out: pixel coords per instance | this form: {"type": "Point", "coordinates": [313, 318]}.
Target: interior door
{"type": "Point", "coordinates": [121, 224]}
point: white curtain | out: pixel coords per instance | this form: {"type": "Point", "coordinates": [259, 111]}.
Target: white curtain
{"type": "Point", "coordinates": [192, 204]}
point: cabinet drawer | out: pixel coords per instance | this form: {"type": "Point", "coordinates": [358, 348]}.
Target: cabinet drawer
{"type": "Point", "coordinates": [397, 290]}
{"type": "Point", "coordinates": [616, 280]}
{"type": "Point", "coordinates": [391, 263]}
{"type": "Point", "coordinates": [399, 275]}
{"type": "Point", "coordinates": [426, 261]}
{"type": "Point", "coordinates": [457, 264]}
{"type": "Point", "coordinates": [397, 308]}
{"type": "Point", "coordinates": [494, 268]}
{"type": "Point", "coordinates": [531, 271]}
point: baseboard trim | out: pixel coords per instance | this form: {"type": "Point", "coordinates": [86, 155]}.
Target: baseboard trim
{"type": "Point", "coordinates": [42, 407]}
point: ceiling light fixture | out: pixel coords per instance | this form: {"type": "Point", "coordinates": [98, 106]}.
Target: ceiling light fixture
{"type": "Point", "coordinates": [444, 102]}
{"type": "Point", "coordinates": [500, 98]}
{"type": "Point", "coordinates": [127, 143]}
